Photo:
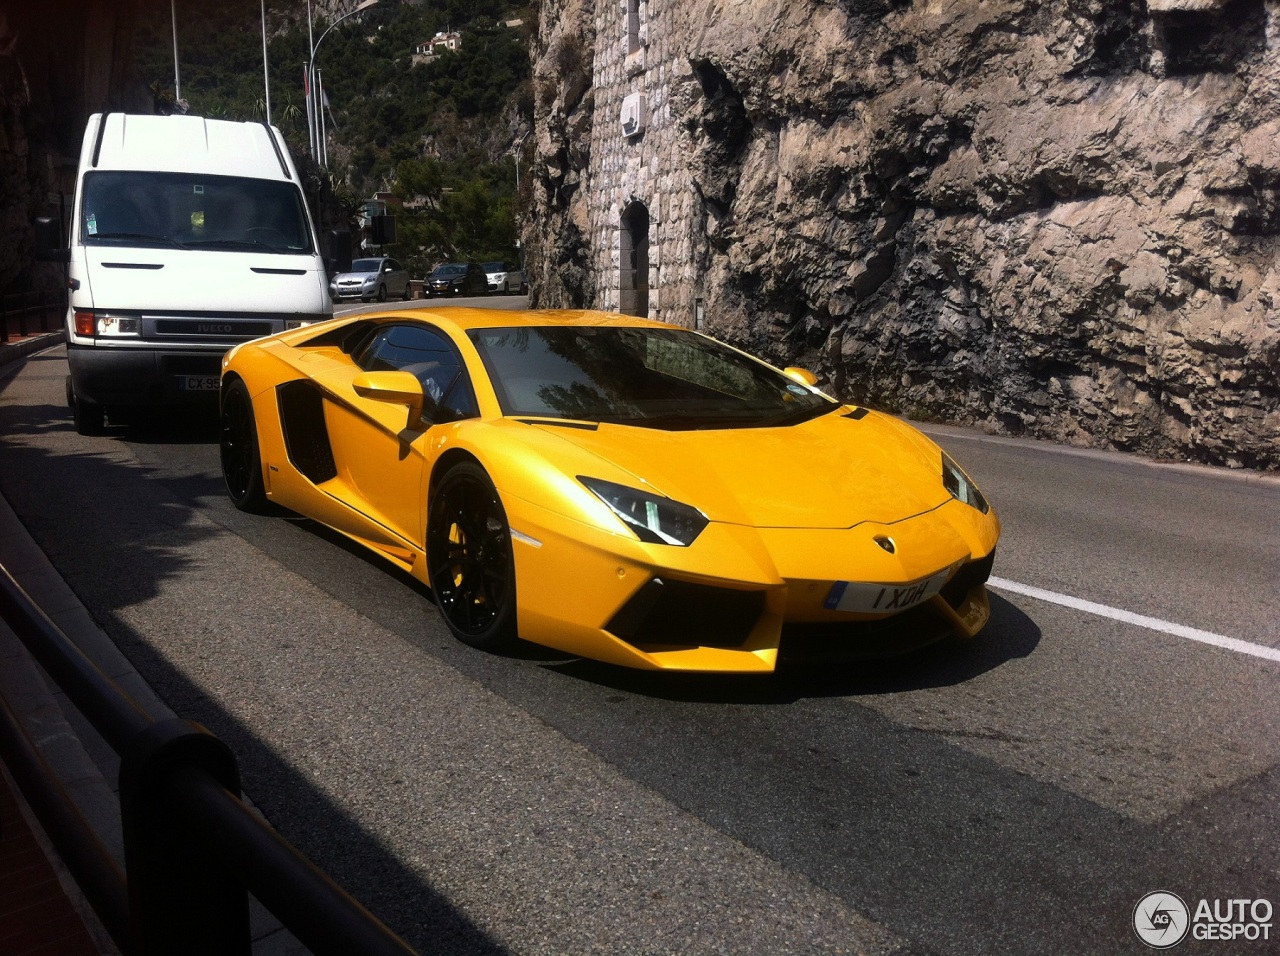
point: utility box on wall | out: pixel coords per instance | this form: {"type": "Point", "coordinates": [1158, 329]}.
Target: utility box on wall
{"type": "Point", "coordinates": [633, 115]}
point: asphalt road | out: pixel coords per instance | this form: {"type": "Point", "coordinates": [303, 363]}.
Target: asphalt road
{"type": "Point", "coordinates": [1017, 794]}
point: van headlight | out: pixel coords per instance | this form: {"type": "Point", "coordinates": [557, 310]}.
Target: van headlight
{"type": "Point", "coordinates": [118, 325]}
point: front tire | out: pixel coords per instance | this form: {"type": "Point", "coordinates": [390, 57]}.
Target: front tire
{"type": "Point", "coordinates": [89, 418]}
{"type": "Point", "coordinates": [469, 557]}
{"type": "Point", "coordinates": [241, 458]}
{"type": "Point", "coordinates": [382, 293]}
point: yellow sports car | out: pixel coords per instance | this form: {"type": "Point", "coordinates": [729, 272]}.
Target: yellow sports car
{"type": "Point", "coordinates": [616, 488]}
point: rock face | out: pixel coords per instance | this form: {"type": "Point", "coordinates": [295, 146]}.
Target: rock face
{"type": "Point", "coordinates": [1050, 218]}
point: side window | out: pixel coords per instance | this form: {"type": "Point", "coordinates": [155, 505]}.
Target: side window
{"type": "Point", "coordinates": [430, 357]}
{"type": "Point", "coordinates": [393, 266]}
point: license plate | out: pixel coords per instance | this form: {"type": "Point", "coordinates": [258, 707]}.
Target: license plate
{"type": "Point", "coordinates": [198, 383]}
{"type": "Point", "coordinates": [861, 598]}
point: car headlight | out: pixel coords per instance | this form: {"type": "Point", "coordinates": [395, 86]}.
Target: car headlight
{"type": "Point", "coordinates": [650, 517]}
{"type": "Point", "coordinates": [960, 487]}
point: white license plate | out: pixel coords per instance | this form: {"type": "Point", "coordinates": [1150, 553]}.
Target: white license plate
{"type": "Point", "coordinates": [198, 383]}
{"type": "Point", "coordinates": [863, 598]}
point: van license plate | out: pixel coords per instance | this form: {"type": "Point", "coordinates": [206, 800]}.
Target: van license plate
{"type": "Point", "coordinates": [198, 383]}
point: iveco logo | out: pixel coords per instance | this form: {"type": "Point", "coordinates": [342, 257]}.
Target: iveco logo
{"type": "Point", "coordinates": [887, 543]}
{"type": "Point", "coordinates": [215, 328]}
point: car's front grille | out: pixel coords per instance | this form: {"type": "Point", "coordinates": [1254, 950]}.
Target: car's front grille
{"type": "Point", "coordinates": [677, 612]}
{"type": "Point", "coordinates": [863, 640]}
{"type": "Point", "coordinates": [966, 579]}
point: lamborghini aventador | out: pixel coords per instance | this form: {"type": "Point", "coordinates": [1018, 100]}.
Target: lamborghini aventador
{"type": "Point", "coordinates": [616, 488]}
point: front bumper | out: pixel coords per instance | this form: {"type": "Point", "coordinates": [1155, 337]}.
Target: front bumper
{"type": "Point", "coordinates": [124, 376]}
{"type": "Point", "coordinates": [738, 596]}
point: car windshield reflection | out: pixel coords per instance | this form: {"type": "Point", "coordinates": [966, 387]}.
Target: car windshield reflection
{"type": "Point", "coordinates": [652, 377]}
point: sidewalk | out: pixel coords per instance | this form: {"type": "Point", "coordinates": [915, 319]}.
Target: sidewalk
{"type": "Point", "coordinates": [41, 909]}
{"type": "Point", "coordinates": [42, 912]}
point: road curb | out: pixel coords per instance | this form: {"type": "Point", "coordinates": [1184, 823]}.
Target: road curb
{"type": "Point", "coordinates": [13, 350]}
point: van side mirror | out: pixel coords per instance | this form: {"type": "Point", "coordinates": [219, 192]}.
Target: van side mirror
{"type": "Point", "coordinates": [339, 257]}
{"type": "Point", "coordinates": [50, 246]}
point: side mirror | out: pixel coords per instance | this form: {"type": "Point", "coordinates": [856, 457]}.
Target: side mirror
{"type": "Point", "coordinates": [801, 375]}
{"type": "Point", "coordinates": [394, 388]}
{"type": "Point", "coordinates": [50, 246]}
{"type": "Point", "coordinates": [339, 258]}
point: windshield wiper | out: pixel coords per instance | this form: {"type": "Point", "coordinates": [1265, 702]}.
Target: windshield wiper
{"type": "Point", "coordinates": [141, 237]}
{"type": "Point", "coordinates": [212, 243]}
{"type": "Point", "coordinates": [794, 416]}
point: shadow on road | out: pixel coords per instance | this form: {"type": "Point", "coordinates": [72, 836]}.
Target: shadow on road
{"type": "Point", "coordinates": [122, 536]}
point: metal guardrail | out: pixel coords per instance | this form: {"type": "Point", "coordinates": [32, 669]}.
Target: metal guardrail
{"type": "Point", "coordinates": [193, 849]}
{"type": "Point", "coordinates": [21, 305]}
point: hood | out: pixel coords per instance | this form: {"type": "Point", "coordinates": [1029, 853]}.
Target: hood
{"type": "Point", "coordinates": [833, 472]}
{"type": "Point", "coordinates": [355, 275]}
{"type": "Point", "coordinates": [173, 280]}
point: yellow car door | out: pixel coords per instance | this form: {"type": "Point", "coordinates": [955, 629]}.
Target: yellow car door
{"type": "Point", "coordinates": [405, 380]}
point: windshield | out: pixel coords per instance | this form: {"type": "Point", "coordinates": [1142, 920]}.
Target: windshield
{"type": "Point", "coordinates": [449, 270]}
{"type": "Point", "coordinates": [193, 211]}
{"type": "Point", "coordinates": [652, 377]}
{"type": "Point", "coordinates": [366, 265]}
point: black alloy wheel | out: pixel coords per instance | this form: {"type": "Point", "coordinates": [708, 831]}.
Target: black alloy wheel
{"type": "Point", "coordinates": [408, 290]}
{"type": "Point", "coordinates": [469, 557]}
{"type": "Point", "coordinates": [382, 292]}
{"type": "Point", "coordinates": [238, 445]}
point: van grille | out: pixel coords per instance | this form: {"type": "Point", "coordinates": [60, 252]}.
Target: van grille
{"type": "Point", "coordinates": [214, 328]}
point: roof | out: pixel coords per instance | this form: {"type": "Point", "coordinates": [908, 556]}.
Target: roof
{"type": "Point", "coordinates": [184, 144]}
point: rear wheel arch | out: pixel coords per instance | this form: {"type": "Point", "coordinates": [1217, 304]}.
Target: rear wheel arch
{"type": "Point", "coordinates": [239, 450]}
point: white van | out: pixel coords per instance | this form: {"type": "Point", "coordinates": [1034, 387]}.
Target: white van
{"type": "Point", "coordinates": [188, 236]}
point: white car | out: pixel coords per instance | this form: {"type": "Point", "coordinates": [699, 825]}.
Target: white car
{"type": "Point", "coordinates": [502, 278]}
{"type": "Point", "coordinates": [378, 278]}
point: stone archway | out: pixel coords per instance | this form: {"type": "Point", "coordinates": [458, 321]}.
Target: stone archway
{"type": "Point", "coordinates": [633, 260]}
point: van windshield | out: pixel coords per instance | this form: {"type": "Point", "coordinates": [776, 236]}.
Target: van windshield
{"type": "Point", "coordinates": [193, 211]}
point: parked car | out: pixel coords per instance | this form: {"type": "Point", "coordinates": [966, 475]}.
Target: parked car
{"type": "Point", "coordinates": [503, 277]}
{"type": "Point", "coordinates": [377, 278]}
{"type": "Point", "coordinates": [456, 278]}
{"type": "Point", "coordinates": [610, 487]}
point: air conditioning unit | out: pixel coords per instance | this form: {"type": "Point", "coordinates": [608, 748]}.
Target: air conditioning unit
{"type": "Point", "coordinates": [633, 115]}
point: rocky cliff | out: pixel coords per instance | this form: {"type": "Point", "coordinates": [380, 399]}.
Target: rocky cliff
{"type": "Point", "coordinates": [1050, 218]}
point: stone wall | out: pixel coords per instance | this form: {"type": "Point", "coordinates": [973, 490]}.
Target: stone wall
{"type": "Point", "coordinates": [1047, 218]}
{"type": "Point", "coordinates": [60, 61]}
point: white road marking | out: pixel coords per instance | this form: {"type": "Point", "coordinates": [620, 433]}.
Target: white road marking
{"type": "Point", "coordinates": [1141, 620]}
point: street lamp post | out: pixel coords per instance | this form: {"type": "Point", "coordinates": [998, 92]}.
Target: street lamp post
{"type": "Point", "coordinates": [316, 103]}
{"type": "Point", "coordinates": [266, 75]}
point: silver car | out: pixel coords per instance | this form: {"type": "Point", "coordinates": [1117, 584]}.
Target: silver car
{"type": "Point", "coordinates": [503, 278]}
{"type": "Point", "coordinates": [378, 278]}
